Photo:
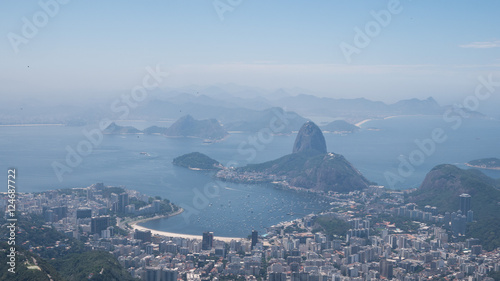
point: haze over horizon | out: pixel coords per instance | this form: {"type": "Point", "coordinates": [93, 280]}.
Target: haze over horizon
{"type": "Point", "coordinates": [93, 49]}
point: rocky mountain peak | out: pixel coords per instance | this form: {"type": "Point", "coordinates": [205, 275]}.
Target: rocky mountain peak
{"type": "Point", "coordinates": [310, 139]}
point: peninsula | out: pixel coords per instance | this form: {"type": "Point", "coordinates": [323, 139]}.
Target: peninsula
{"type": "Point", "coordinates": [485, 163]}
{"type": "Point", "coordinates": [309, 167]}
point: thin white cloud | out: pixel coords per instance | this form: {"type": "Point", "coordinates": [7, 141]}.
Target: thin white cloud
{"type": "Point", "coordinates": [482, 45]}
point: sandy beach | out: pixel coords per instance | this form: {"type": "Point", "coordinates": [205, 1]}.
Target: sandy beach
{"type": "Point", "coordinates": [362, 122]}
{"type": "Point", "coordinates": [482, 167]}
{"type": "Point", "coordinates": [134, 226]}
{"type": "Point", "coordinates": [385, 118]}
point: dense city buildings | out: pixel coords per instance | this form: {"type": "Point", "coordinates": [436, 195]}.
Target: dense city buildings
{"type": "Point", "coordinates": [367, 235]}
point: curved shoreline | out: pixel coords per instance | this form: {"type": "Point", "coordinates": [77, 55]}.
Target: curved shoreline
{"type": "Point", "coordinates": [134, 225]}
{"type": "Point", "coordinates": [363, 122]}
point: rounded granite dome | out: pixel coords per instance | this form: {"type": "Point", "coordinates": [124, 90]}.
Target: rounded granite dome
{"type": "Point", "coordinates": [310, 139]}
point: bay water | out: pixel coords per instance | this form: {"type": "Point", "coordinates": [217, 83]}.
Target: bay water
{"type": "Point", "coordinates": [386, 152]}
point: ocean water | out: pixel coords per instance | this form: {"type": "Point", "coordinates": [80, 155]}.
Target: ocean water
{"type": "Point", "coordinates": [231, 209]}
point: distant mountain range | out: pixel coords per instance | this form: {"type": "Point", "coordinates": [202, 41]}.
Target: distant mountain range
{"type": "Point", "coordinates": [235, 110]}
{"type": "Point", "coordinates": [276, 119]}
{"type": "Point", "coordinates": [309, 105]}
{"type": "Point", "coordinates": [186, 126]}
{"type": "Point", "coordinates": [233, 105]}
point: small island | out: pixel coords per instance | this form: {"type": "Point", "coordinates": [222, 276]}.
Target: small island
{"type": "Point", "coordinates": [485, 163]}
{"type": "Point", "coordinates": [340, 127]}
{"type": "Point", "coordinates": [197, 161]}
{"type": "Point", "coordinates": [114, 129]}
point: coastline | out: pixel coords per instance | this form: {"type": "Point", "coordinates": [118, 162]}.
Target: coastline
{"type": "Point", "coordinates": [362, 122]}
{"type": "Point", "coordinates": [482, 167]}
{"type": "Point", "coordinates": [389, 117]}
{"type": "Point", "coordinates": [30, 125]}
{"type": "Point", "coordinates": [134, 225]}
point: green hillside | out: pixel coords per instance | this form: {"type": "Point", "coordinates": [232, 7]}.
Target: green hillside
{"type": "Point", "coordinates": [442, 187]}
{"type": "Point", "coordinates": [57, 256]}
{"type": "Point", "coordinates": [326, 172]}
{"type": "Point", "coordinates": [93, 265]}
{"type": "Point", "coordinates": [197, 160]}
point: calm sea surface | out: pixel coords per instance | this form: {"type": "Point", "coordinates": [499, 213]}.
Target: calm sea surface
{"type": "Point", "coordinates": [231, 209]}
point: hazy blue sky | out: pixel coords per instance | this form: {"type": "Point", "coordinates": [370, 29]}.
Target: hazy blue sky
{"type": "Point", "coordinates": [429, 48]}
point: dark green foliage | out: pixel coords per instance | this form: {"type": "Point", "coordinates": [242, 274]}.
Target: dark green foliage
{"type": "Point", "coordinates": [292, 228]}
{"type": "Point", "coordinates": [442, 188]}
{"type": "Point", "coordinates": [136, 202]}
{"type": "Point", "coordinates": [405, 224]}
{"type": "Point", "coordinates": [196, 160]}
{"type": "Point", "coordinates": [495, 275]}
{"type": "Point", "coordinates": [264, 266]}
{"type": "Point", "coordinates": [46, 241]}
{"type": "Point", "coordinates": [106, 193]}
{"type": "Point", "coordinates": [63, 257]}
{"type": "Point", "coordinates": [98, 264]}
{"type": "Point", "coordinates": [444, 184]}
{"type": "Point", "coordinates": [486, 230]}
{"type": "Point", "coordinates": [165, 208]}
{"type": "Point", "coordinates": [332, 226]}
{"type": "Point", "coordinates": [24, 259]}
